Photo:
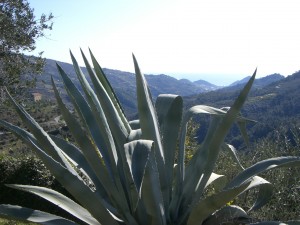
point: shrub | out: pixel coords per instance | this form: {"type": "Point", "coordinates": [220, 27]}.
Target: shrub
{"type": "Point", "coordinates": [122, 172]}
{"type": "Point", "coordinates": [27, 170]}
{"type": "Point", "coordinates": [284, 203]}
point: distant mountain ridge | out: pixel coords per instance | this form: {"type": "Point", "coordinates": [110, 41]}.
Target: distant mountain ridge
{"type": "Point", "coordinates": [242, 81]}
{"type": "Point", "coordinates": [125, 87]}
{"type": "Point", "coordinates": [260, 82]}
{"type": "Point", "coordinates": [123, 84]}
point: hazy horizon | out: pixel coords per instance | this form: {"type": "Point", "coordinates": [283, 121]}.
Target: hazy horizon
{"type": "Point", "coordinates": [216, 79]}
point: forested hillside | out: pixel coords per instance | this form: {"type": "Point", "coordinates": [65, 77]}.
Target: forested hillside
{"type": "Point", "coordinates": [275, 107]}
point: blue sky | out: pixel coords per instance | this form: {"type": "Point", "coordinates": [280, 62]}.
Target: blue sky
{"type": "Point", "coordinates": [215, 40]}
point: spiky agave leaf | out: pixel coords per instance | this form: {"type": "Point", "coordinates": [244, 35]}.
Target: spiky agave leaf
{"type": "Point", "coordinates": [109, 90]}
{"type": "Point", "coordinates": [277, 223]}
{"type": "Point", "coordinates": [68, 178]}
{"type": "Point", "coordinates": [118, 124]}
{"type": "Point", "coordinates": [203, 163]}
{"type": "Point", "coordinates": [60, 200]}
{"type": "Point", "coordinates": [95, 121]}
{"type": "Point", "coordinates": [228, 214]}
{"type": "Point", "coordinates": [31, 215]}
{"type": "Point", "coordinates": [169, 113]}
{"type": "Point", "coordinates": [154, 198]}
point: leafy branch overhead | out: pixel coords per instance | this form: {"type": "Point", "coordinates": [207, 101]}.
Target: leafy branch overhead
{"type": "Point", "coordinates": [19, 30]}
{"type": "Point", "coordinates": [129, 171]}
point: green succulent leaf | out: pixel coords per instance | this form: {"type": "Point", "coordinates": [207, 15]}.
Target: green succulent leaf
{"type": "Point", "coordinates": [104, 185]}
{"type": "Point", "coordinates": [135, 124]}
{"type": "Point", "coordinates": [109, 90]}
{"type": "Point", "coordinates": [90, 152]}
{"type": "Point", "coordinates": [104, 144]}
{"type": "Point", "coordinates": [169, 112]}
{"type": "Point", "coordinates": [212, 203]}
{"type": "Point", "coordinates": [263, 166]}
{"type": "Point", "coordinates": [229, 214]}
{"type": "Point", "coordinates": [242, 122]}
{"type": "Point", "coordinates": [137, 154]}
{"type": "Point", "coordinates": [60, 200]}
{"type": "Point", "coordinates": [41, 136]}
{"type": "Point", "coordinates": [76, 186]}
{"type": "Point", "coordinates": [180, 171]}
{"type": "Point", "coordinates": [218, 180]}
{"type": "Point", "coordinates": [68, 178]}
{"type": "Point", "coordinates": [77, 158]}
{"type": "Point", "coordinates": [110, 117]}
{"type": "Point", "coordinates": [148, 118]}
{"type": "Point", "coordinates": [264, 194]}
{"type": "Point", "coordinates": [31, 215]}
{"type": "Point", "coordinates": [150, 126]}
{"type": "Point", "coordinates": [92, 114]}
{"type": "Point", "coordinates": [203, 162]}
{"type": "Point", "coordinates": [233, 153]}
{"type": "Point", "coordinates": [152, 198]}
{"type": "Point", "coordinates": [118, 128]}
{"type": "Point", "coordinates": [277, 223]}
{"type": "Point", "coordinates": [97, 124]}
{"type": "Point", "coordinates": [135, 135]}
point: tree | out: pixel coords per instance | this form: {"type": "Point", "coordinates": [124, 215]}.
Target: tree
{"type": "Point", "coordinates": [19, 30]}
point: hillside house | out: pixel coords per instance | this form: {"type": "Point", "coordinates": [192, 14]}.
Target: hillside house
{"type": "Point", "coordinates": [37, 96]}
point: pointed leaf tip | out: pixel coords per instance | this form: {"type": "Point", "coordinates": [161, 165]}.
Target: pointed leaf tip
{"type": "Point", "coordinates": [134, 59]}
{"type": "Point", "coordinates": [136, 65]}
{"type": "Point", "coordinates": [72, 56]}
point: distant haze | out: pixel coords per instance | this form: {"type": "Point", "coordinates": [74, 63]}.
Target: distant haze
{"type": "Point", "coordinates": [217, 79]}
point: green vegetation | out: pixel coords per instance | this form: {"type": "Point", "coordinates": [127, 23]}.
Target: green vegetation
{"type": "Point", "coordinates": [27, 170]}
{"type": "Point", "coordinates": [284, 203]}
{"type": "Point", "coordinates": [19, 30]}
{"type": "Point", "coordinates": [14, 222]}
{"type": "Point", "coordinates": [46, 113]}
{"type": "Point", "coordinates": [122, 172]}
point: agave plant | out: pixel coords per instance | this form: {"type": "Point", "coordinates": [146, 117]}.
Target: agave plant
{"type": "Point", "coordinates": [122, 172]}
